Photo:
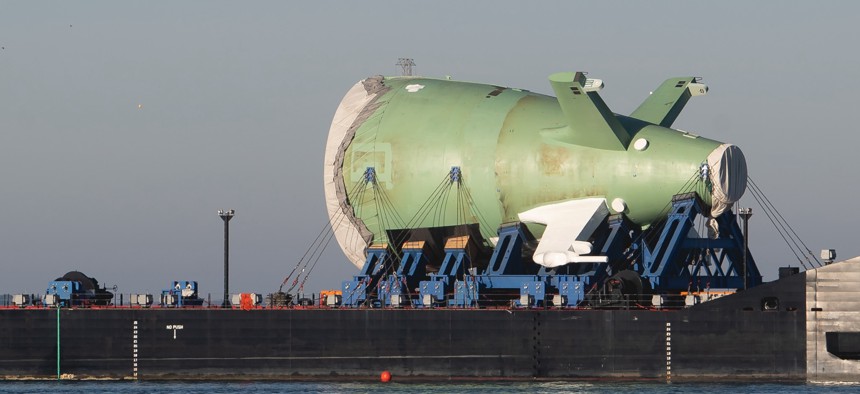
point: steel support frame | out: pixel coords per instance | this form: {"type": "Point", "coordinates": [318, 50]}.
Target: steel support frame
{"type": "Point", "coordinates": [678, 262]}
{"type": "Point", "coordinates": [356, 292]}
{"type": "Point", "coordinates": [675, 262]}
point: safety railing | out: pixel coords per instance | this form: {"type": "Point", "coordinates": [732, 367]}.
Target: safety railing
{"type": "Point", "coordinates": [494, 300]}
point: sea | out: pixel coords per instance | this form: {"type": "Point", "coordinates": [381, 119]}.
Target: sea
{"type": "Point", "coordinates": [89, 387]}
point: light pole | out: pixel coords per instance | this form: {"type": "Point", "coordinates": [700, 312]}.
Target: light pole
{"type": "Point", "coordinates": [745, 215]}
{"type": "Point", "coordinates": [226, 216]}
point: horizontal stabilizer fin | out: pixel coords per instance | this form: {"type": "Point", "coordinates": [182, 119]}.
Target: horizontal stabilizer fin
{"type": "Point", "coordinates": [664, 105]}
{"type": "Point", "coordinates": [569, 224]}
{"type": "Point", "coordinates": [589, 119]}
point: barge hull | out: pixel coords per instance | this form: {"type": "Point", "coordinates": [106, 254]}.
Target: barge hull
{"type": "Point", "coordinates": [735, 337]}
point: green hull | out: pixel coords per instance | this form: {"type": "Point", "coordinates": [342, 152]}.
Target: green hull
{"type": "Point", "coordinates": [517, 150]}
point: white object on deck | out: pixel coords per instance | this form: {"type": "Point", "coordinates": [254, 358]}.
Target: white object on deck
{"type": "Point", "coordinates": [569, 224]}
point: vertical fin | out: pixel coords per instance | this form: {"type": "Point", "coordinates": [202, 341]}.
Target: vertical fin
{"type": "Point", "coordinates": [664, 105]}
{"type": "Point", "coordinates": [589, 119]}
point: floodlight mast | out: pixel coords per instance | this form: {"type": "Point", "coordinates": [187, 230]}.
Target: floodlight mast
{"type": "Point", "coordinates": [745, 214]}
{"type": "Point", "coordinates": [226, 216]}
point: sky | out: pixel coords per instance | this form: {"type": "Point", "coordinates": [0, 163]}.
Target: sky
{"type": "Point", "coordinates": [125, 126]}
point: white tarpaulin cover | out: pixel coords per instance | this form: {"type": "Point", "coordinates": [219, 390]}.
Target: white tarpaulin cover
{"type": "Point", "coordinates": [728, 173]}
{"type": "Point", "coordinates": [355, 107]}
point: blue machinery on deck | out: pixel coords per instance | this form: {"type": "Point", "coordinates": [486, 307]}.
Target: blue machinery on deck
{"type": "Point", "coordinates": [667, 259]}
{"type": "Point", "coordinates": [75, 289]}
{"type": "Point", "coordinates": [181, 293]}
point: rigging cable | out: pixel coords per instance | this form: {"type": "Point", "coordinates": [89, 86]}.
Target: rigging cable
{"type": "Point", "coordinates": [650, 236]}
{"type": "Point", "coordinates": [420, 216]}
{"type": "Point", "coordinates": [322, 246]}
{"type": "Point", "coordinates": [808, 251]}
{"type": "Point", "coordinates": [769, 216]}
{"type": "Point", "coordinates": [483, 223]}
{"type": "Point", "coordinates": [323, 233]}
{"type": "Point", "coordinates": [783, 228]}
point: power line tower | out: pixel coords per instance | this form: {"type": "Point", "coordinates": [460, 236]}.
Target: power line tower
{"type": "Point", "coordinates": [406, 65]}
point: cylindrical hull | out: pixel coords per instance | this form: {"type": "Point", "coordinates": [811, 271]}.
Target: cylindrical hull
{"type": "Point", "coordinates": [513, 149]}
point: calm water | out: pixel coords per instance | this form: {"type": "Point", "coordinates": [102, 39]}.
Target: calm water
{"type": "Point", "coordinates": [417, 388]}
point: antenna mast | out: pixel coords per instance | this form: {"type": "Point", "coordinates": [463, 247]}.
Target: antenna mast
{"type": "Point", "coordinates": [406, 65]}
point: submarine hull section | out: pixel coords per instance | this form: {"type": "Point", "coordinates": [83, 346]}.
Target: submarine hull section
{"type": "Point", "coordinates": [741, 336]}
{"type": "Point", "coordinates": [515, 149]}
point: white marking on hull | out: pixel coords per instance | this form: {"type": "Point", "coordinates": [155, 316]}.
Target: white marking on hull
{"type": "Point", "coordinates": [668, 351]}
{"type": "Point", "coordinates": [134, 350]}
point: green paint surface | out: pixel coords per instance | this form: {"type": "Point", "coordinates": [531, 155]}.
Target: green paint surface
{"type": "Point", "coordinates": [517, 150]}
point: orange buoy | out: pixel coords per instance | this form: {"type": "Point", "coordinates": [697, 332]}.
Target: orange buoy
{"type": "Point", "coordinates": [385, 377]}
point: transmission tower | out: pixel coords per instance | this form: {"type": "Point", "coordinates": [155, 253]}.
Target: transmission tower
{"type": "Point", "coordinates": [406, 65]}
